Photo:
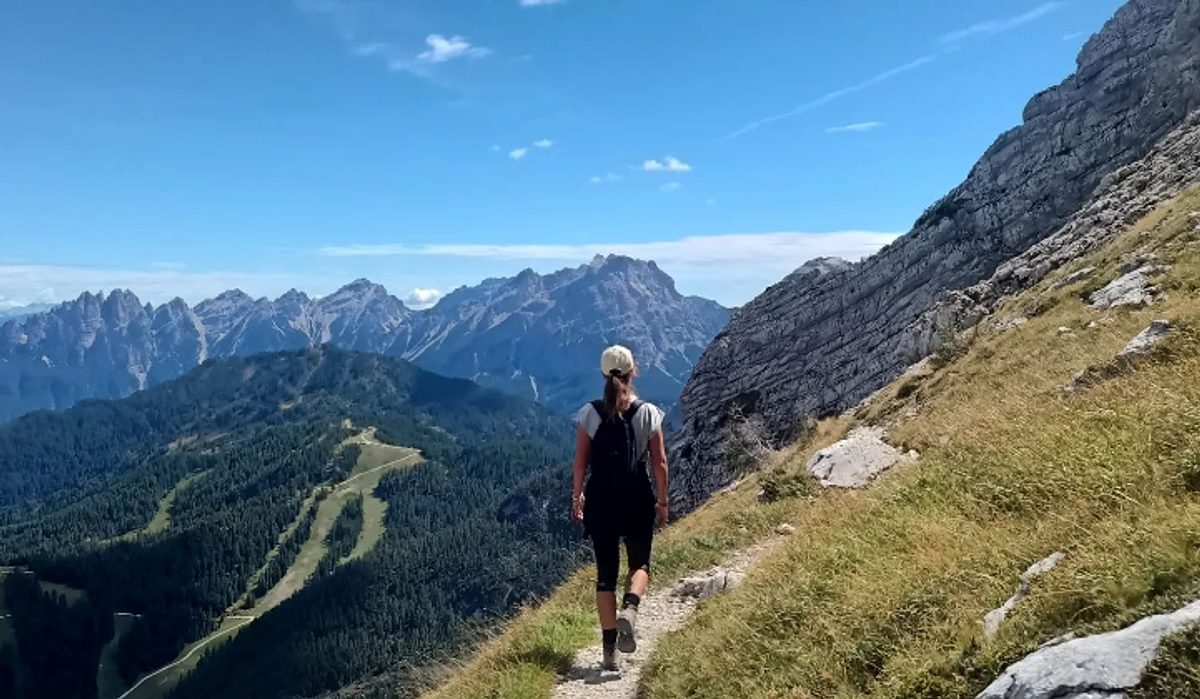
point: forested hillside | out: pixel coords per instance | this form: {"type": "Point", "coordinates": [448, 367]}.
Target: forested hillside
{"type": "Point", "coordinates": [199, 505]}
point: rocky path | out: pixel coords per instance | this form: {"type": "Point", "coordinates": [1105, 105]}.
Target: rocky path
{"type": "Point", "coordinates": [661, 612]}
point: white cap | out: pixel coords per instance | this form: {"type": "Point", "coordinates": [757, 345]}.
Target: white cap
{"type": "Point", "coordinates": [616, 359]}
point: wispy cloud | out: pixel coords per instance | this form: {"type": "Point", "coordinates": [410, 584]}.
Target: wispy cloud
{"type": "Point", "coordinates": [729, 268]}
{"type": "Point", "coordinates": [442, 49]}
{"type": "Point", "coordinates": [998, 26]}
{"type": "Point", "coordinates": [667, 164]}
{"type": "Point", "coordinates": [28, 283]}
{"type": "Point", "coordinates": [369, 31]}
{"type": "Point", "coordinates": [540, 3]}
{"type": "Point", "coordinates": [714, 250]}
{"type": "Point", "coordinates": [832, 96]}
{"type": "Point", "coordinates": [670, 187]}
{"type": "Point", "coordinates": [1073, 36]}
{"type": "Point", "coordinates": [605, 178]}
{"type": "Point", "coordinates": [422, 298]}
{"type": "Point", "coordinates": [520, 152]}
{"type": "Point", "coordinates": [860, 127]}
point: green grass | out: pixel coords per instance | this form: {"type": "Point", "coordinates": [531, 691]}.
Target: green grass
{"type": "Point", "coordinates": [161, 521]}
{"type": "Point", "coordinates": [1175, 672]}
{"type": "Point", "coordinates": [881, 592]}
{"type": "Point", "coordinates": [374, 462]}
{"type": "Point", "coordinates": [109, 684]}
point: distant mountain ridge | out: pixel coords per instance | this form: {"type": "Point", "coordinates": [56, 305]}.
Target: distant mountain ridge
{"type": "Point", "coordinates": [531, 335]}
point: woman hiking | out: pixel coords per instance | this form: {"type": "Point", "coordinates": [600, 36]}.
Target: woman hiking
{"type": "Point", "coordinates": [617, 436]}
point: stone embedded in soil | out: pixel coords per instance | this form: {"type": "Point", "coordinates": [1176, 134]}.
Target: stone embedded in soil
{"type": "Point", "coordinates": [1103, 665]}
{"type": "Point", "coordinates": [856, 460]}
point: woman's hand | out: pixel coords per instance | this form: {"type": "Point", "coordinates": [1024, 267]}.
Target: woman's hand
{"type": "Point", "coordinates": [577, 510]}
{"type": "Point", "coordinates": [662, 511]}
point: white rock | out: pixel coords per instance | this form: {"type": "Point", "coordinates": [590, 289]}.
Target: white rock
{"type": "Point", "coordinates": [709, 584]}
{"type": "Point", "coordinates": [1009, 323]}
{"type": "Point", "coordinates": [996, 617]}
{"type": "Point", "coordinates": [1130, 290]}
{"type": "Point", "coordinates": [1073, 277]}
{"type": "Point", "coordinates": [856, 460]}
{"type": "Point", "coordinates": [785, 529]}
{"type": "Point", "coordinates": [1140, 346]}
{"type": "Point", "coordinates": [1064, 330]}
{"type": "Point", "coordinates": [1105, 665]}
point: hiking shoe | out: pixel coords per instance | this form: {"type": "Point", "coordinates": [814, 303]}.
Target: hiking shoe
{"type": "Point", "coordinates": [609, 662]}
{"type": "Point", "coordinates": [627, 630]}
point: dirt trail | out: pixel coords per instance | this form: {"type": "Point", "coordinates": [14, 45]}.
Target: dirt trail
{"type": "Point", "coordinates": [660, 613]}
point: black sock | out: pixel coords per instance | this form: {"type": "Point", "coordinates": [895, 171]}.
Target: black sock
{"type": "Point", "coordinates": [610, 637]}
{"type": "Point", "coordinates": [631, 600]}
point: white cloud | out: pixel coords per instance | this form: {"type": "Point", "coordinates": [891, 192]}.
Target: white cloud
{"type": "Point", "coordinates": [711, 201]}
{"type": "Point", "coordinates": [832, 96]}
{"type": "Point", "coordinates": [540, 3]}
{"type": "Point", "coordinates": [669, 187]}
{"type": "Point", "coordinates": [794, 248]}
{"type": "Point", "coordinates": [668, 164]}
{"type": "Point", "coordinates": [729, 268]}
{"type": "Point", "coordinates": [442, 49]}
{"type": "Point", "coordinates": [860, 127]}
{"type": "Point", "coordinates": [518, 153]}
{"type": "Point", "coordinates": [39, 283]}
{"type": "Point", "coordinates": [998, 26]}
{"type": "Point", "coordinates": [422, 298]}
{"type": "Point", "coordinates": [605, 178]}
{"type": "Point", "coordinates": [1073, 36]}
{"type": "Point", "coordinates": [544, 143]}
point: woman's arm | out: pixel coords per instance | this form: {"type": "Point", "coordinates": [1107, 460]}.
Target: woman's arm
{"type": "Point", "coordinates": [583, 444]}
{"type": "Point", "coordinates": [658, 463]}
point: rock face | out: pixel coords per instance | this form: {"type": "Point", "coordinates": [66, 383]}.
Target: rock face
{"type": "Point", "coordinates": [531, 335]}
{"type": "Point", "coordinates": [1106, 665]}
{"type": "Point", "coordinates": [856, 460]}
{"type": "Point", "coordinates": [816, 343]}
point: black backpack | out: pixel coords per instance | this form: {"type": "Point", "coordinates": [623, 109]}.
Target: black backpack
{"type": "Point", "coordinates": [615, 453]}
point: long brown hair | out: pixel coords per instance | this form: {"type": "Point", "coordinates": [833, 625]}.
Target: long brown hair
{"type": "Point", "coordinates": [618, 390]}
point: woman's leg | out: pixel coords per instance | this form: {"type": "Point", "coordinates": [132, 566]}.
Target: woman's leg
{"type": "Point", "coordinates": [637, 549]}
{"type": "Point", "coordinates": [608, 563]}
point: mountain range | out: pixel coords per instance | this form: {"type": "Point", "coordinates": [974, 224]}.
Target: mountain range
{"type": "Point", "coordinates": [532, 335]}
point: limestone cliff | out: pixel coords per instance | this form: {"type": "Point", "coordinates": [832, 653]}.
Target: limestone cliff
{"type": "Point", "coordinates": [818, 342]}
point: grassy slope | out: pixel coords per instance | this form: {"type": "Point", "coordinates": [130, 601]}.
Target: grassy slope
{"type": "Point", "coordinates": [881, 592]}
{"type": "Point", "coordinates": [375, 460]}
{"type": "Point", "coordinates": [108, 679]}
{"type": "Point", "coordinates": [161, 521]}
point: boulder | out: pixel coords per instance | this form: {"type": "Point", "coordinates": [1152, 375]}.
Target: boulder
{"type": "Point", "coordinates": [1130, 290]}
{"type": "Point", "coordinates": [1140, 347]}
{"type": "Point", "coordinates": [856, 460]}
{"type": "Point", "coordinates": [1104, 665]}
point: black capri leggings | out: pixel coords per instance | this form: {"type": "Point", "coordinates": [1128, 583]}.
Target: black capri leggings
{"type": "Point", "coordinates": [608, 557]}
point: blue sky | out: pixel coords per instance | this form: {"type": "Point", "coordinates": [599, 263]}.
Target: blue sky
{"type": "Point", "coordinates": [178, 147]}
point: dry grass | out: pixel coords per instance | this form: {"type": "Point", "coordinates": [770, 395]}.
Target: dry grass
{"type": "Point", "coordinates": [881, 593]}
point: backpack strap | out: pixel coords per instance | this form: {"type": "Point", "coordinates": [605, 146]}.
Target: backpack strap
{"type": "Point", "coordinates": [598, 406]}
